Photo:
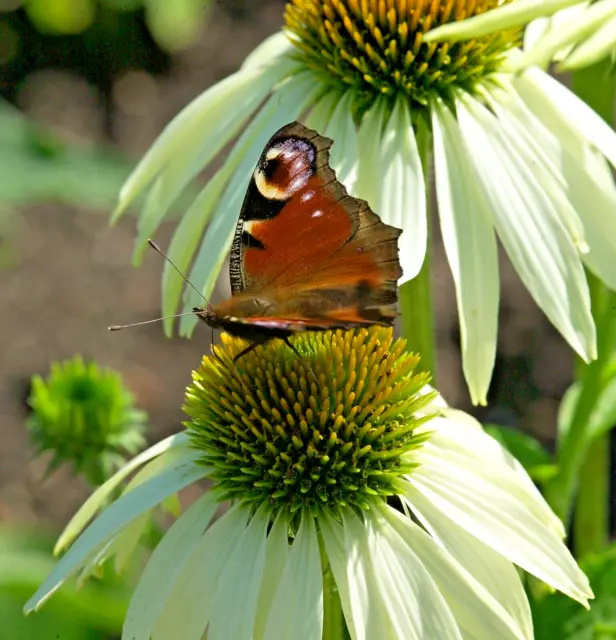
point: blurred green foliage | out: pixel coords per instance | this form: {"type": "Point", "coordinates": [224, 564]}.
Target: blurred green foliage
{"type": "Point", "coordinates": [174, 24]}
{"type": "Point", "coordinates": [37, 166]}
{"type": "Point", "coordinates": [557, 617]}
{"type": "Point", "coordinates": [93, 612]}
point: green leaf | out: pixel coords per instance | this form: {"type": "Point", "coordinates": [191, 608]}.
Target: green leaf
{"type": "Point", "coordinates": [527, 449]}
{"type": "Point", "coordinates": [556, 616]}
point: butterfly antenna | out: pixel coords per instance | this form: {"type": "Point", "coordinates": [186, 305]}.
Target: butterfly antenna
{"type": "Point", "coordinates": [296, 352]}
{"type": "Point", "coordinates": [170, 261]}
{"type": "Point", "coordinates": [117, 327]}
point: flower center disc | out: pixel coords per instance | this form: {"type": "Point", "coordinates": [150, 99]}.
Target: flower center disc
{"type": "Point", "coordinates": [376, 46]}
{"type": "Point", "coordinates": [272, 435]}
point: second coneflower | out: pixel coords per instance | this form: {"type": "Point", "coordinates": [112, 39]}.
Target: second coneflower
{"type": "Point", "coordinates": [309, 467]}
{"type": "Point", "coordinates": [515, 158]}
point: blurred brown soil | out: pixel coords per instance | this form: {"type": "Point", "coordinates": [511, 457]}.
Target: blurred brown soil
{"type": "Point", "coordinates": [74, 278]}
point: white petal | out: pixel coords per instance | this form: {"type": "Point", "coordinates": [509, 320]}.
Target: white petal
{"type": "Point", "coordinates": [276, 46]}
{"type": "Point", "coordinates": [185, 241]}
{"type": "Point", "coordinates": [370, 172]}
{"type": "Point", "coordinates": [344, 153]}
{"type": "Point", "coordinates": [283, 107]}
{"type": "Point", "coordinates": [495, 573]}
{"type": "Point", "coordinates": [587, 183]}
{"type": "Point", "coordinates": [119, 514]}
{"type": "Point", "coordinates": [546, 153]}
{"type": "Point", "coordinates": [568, 33]}
{"type": "Point", "coordinates": [385, 590]}
{"type": "Point", "coordinates": [415, 606]}
{"type": "Point", "coordinates": [100, 496]}
{"type": "Point", "coordinates": [297, 609]}
{"type": "Point", "coordinates": [195, 136]}
{"type": "Point", "coordinates": [542, 92]}
{"type": "Point", "coordinates": [470, 244]}
{"type": "Point", "coordinates": [165, 564]}
{"type": "Point", "coordinates": [594, 48]}
{"type": "Point", "coordinates": [496, 509]}
{"type": "Point", "coordinates": [506, 16]}
{"type": "Point", "coordinates": [459, 432]}
{"type": "Point", "coordinates": [403, 191]}
{"type": "Point", "coordinates": [188, 606]}
{"type": "Point", "coordinates": [321, 112]}
{"type": "Point", "coordinates": [585, 178]}
{"type": "Point", "coordinates": [333, 539]}
{"type": "Point", "coordinates": [476, 611]}
{"type": "Point", "coordinates": [276, 555]}
{"type": "Point", "coordinates": [528, 225]}
{"type": "Point", "coordinates": [124, 544]}
{"type": "Point", "coordinates": [240, 582]}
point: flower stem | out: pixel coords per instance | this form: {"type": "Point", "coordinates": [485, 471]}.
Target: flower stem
{"type": "Point", "coordinates": [584, 463]}
{"type": "Point", "coordinates": [334, 627]}
{"type": "Point", "coordinates": [416, 304]}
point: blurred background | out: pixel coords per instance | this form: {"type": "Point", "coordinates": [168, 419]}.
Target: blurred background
{"type": "Point", "coordinates": [85, 87]}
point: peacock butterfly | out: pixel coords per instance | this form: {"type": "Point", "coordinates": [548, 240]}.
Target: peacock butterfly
{"type": "Point", "coordinates": [306, 256]}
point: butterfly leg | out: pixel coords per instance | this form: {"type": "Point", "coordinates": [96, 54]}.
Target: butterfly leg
{"type": "Point", "coordinates": [247, 350]}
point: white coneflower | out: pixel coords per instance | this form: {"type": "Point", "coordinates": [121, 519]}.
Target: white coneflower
{"type": "Point", "coordinates": [309, 469]}
{"type": "Point", "coordinates": [515, 157]}
{"type": "Point", "coordinates": [575, 33]}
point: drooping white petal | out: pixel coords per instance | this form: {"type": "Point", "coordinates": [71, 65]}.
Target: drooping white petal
{"type": "Point", "coordinates": [590, 188]}
{"type": "Point", "coordinates": [586, 180]}
{"type": "Point", "coordinates": [529, 227]}
{"type": "Point", "coordinates": [354, 572]}
{"type": "Point", "coordinates": [415, 606]}
{"type": "Point", "coordinates": [184, 243]}
{"type": "Point", "coordinates": [477, 612]}
{"type": "Point", "coordinates": [321, 112]}
{"type": "Point", "coordinates": [370, 171]}
{"type": "Point", "coordinates": [568, 33]}
{"type": "Point", "coordinates": [470, 244]}
{"type": "Point", "coordinates": [119, 514]}
{"type": "Point", "coordinates": [545, 95]}
{"type": "Point", "coordinates": [125, 543]}
{"type": "Point", "coordinates": [546, 153]}
{"type": "Point", "coordinates": [403, 192]}
{"type": "Point", "coordinates": [495, 573]}
{"type": "Point", "coordinates": [276, 555]}
{"type": "Point", "coordinates": [188, 606]}
{"type": "Point", "coordinates": [163, 568]}
{"type": "Point", "coordinates": [333, 539]}
{"type": "Point", "coordinates": [344, 153]}
{"type": "Point", "coordinates": [284, 106]}
{"type": "Point", "coordinates": [496, 509]}
{"type": "Point", "coordinates": [240, 582]}
{"type": "Point", "coordinates": [457, 431]}
{"type": "Point", "coordinates": [196, 135]}
{"type": "Point", "coordinates": [297, 608]}
{"type": "Point", "coordinates": [276, 46]}
{"type": "Point", "coordinates": [596, 47]}
{"type": "Point", "coordinates": [100, 496]}
{"type": "Point", "coordinates": [504, 17]}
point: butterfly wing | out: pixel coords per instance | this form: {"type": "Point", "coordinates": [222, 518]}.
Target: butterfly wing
{"type": "Point", "coordinates": [305, 253]}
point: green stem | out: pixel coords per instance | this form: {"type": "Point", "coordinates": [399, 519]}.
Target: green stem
{"type": "Point", "coordinates": [334, 627]}
{"type": "Point", "coordinates": [416, 304]}
{"type": "Point", "coordinates": [584, 464]}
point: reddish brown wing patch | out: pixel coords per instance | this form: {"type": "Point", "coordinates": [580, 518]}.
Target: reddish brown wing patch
{"type": "Point", "coordinates": [305, 249]}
